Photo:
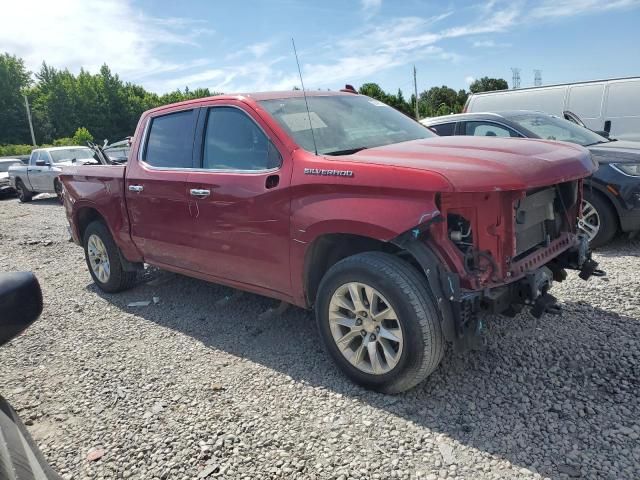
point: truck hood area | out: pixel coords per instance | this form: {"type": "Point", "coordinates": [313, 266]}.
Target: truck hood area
{"type": "Point", "coordinates": [478, 164]}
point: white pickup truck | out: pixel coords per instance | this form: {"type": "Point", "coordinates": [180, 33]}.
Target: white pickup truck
{"type": "Point", "coordinates": [40, 175]}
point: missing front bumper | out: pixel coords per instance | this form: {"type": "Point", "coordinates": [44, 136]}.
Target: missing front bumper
{"type": "Point", "coordinates": [460, 308]}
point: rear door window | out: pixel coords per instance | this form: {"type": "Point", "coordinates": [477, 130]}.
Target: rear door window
{"type": "Point", "coordinates": [170, 140]}
{"type": "Point", "coordinates": [444, 129]}
{"type": "Point", "coordinates": [488, 129]}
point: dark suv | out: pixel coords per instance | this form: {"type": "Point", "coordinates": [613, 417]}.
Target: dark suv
{"type": "Point", "coordinates": [611, 196]}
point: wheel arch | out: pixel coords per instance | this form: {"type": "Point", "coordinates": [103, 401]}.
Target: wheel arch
{"type": "Point", "coordinates": [84, 216]}
{"type": "Point", "coordinates": [594, 187]}
{"type": "Point", "coordinates": [328, 249]}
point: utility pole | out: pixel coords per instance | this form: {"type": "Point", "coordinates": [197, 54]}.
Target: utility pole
{"type": "Point", "coordinates": [415, 87]}
{"type": "Point", "coordinates": [33, 137]}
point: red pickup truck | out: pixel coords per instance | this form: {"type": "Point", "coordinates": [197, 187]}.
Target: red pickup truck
{"type": "Point", "coordinates": [396, 237]}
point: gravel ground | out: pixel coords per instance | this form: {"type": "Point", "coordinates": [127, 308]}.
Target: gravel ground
{"type": "Point", "coordinates": [201, 385]}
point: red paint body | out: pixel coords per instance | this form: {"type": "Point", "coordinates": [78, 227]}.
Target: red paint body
{"type": "Point", "coordinates": [253, 237]}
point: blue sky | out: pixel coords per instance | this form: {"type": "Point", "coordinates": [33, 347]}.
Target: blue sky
{"type": "Point", "coordinates": [245, 45]}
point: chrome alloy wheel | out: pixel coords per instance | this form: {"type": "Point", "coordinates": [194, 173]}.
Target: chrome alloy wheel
{"type": "Point", "coordinates": [365, 328]}
{"type": "Point", "coordinates": [589, 224]}
{"type": "Point", "coordinates": [98, 258]}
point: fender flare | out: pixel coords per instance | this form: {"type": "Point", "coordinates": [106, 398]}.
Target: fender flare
{"type": "Point", "coordinates": [435, 273]}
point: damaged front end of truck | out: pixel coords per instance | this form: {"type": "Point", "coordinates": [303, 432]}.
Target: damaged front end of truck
{"type": "Point", "coordinates": [499, 252]}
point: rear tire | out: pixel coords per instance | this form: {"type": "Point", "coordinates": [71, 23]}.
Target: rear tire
{"type": "Point", "coordinates": [606, 215]}
{"type": "Point", "coordinates": [24, 195]}
{"type": "Point", "coordinates": [394, 284]}
{"type": "Point", "coordinates": [105, 260]}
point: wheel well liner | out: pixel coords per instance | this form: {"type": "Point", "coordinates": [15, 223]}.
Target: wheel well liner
{"type": "Point", "coordinates": [329, 249]}
{"type": "Point", "coordinates": [84, 217]}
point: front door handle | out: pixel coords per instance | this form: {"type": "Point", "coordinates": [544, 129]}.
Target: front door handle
{"type": "Point", "coordinates": [136, 188]}
{"type": "Point", "coordinates": [200, 192]}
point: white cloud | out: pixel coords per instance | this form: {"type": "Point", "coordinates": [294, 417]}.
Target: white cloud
{"type": "Point", "coordinates": [484, 44]}
{"type": "Point", "coordinates": [76, 33]}
{"type": "Point", "coordinates": [469, 80]}
{"type": "Point", "coordinates": [255, 50]}
{"type": "Point", "coordinates": [370, 7]}
{"type": "Point", "coordinates": [566, 8]}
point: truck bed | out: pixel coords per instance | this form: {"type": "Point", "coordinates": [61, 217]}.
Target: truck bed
{"type": "Point", "coordinates": [100, 187]}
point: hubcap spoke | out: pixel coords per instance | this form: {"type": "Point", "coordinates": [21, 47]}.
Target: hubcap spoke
{"type": "Point", "coordinates": [340, 319]}
{"type": "Point", "coordinates": [343, 302]}
{"type": "Point", "coordinates": [390, 356]}
{"type": "Point", "coordinates": [358, 356]}
{"type": "Point", "coordinates": [385, 314]}
{"type": "Point", "coordinates": [392, 334]}
{"type": "Point", "coordinates": [356, 297]}
{"type": "Point", "coordinates": [345, 341]}
{"type": "Point", "coordinates": [374, 357]}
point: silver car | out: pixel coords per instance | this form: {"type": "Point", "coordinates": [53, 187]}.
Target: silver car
{"type": "Point", "coordinates": [5, 185]}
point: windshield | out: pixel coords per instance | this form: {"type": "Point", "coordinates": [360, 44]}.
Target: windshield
{"type": "Point", "coordinates": [70, 153]}
{"type": "Point", "coordinates": [4, 166]}
{"type": "Point", "coordinates": [343, 124]}
{"type": "Point", "coordinates": [549, 127]}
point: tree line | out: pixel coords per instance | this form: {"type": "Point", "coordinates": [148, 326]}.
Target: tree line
{"type": "Point", "coordinates": [106, 107]}
{"type": "Point", "coordinates": [437, 100]}
{"type": "Point", "coordinates": [61, 103]}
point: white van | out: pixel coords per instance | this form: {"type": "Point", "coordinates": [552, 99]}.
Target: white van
{"type": "Point", "coordinates": [612, 105]}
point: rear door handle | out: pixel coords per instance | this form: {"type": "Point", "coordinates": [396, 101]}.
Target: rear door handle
{"type": "Point", "coordinates": [136, 188]}
{"type": "Point", "coordinates": [200, 192]}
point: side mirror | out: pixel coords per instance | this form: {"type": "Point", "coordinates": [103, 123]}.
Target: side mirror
{"type": "Point", "coordinates": [42, 163]}
{"type": "Point", "coordinates": [602, 133]}
{"type": "Point", "coordinates": [20, 303]}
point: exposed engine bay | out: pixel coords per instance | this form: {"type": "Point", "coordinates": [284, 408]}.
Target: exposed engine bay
{"type": "Point", "coordinates": [507, 249]}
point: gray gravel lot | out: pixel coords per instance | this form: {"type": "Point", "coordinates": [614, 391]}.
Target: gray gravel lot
{"type": "Point", "coordinates": [200, 384]}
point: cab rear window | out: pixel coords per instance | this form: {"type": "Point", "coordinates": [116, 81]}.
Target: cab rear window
{"type": "Point", "coordinates": [170, 140]}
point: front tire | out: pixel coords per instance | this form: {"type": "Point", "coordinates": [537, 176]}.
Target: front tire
{"type": "Point", "coordinates": [599, 219]}
{"type": "Point", "coordinates": [24, 195]}
{"type": "Point", "coordinates": [379, 322]}
{"type": "Point", "coordinates": [104, 259]}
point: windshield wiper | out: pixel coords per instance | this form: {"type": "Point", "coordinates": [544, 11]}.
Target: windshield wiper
{"type": "Point", "coordinates": [348, 151]}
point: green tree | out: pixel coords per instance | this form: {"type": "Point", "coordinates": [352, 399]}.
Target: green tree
{"type": "Point", "coordinates": [82, 136]}
{"type": "Point", "coordinates": [14, 79]}
{"type": "Point", "coordinates": [373, 90]}
{"type": "Point", "coordinates": [486, 84]}
{"type": "Point", "coordinates": [439, 101]}
{"type": "Point", "coordinates": [397, 101]}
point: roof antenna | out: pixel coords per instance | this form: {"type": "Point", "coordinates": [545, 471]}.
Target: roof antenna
{"type": "Point", "coordinates": [304, 94]}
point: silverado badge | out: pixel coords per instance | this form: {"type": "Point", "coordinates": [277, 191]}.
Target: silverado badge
{"type": "Point", "coordinates": [333, 173]}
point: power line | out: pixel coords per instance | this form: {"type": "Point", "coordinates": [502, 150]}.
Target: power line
{"type": "Point", "coordinates": [515, 81]}
{"type": "Point", "coordinates": [537, 78]}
